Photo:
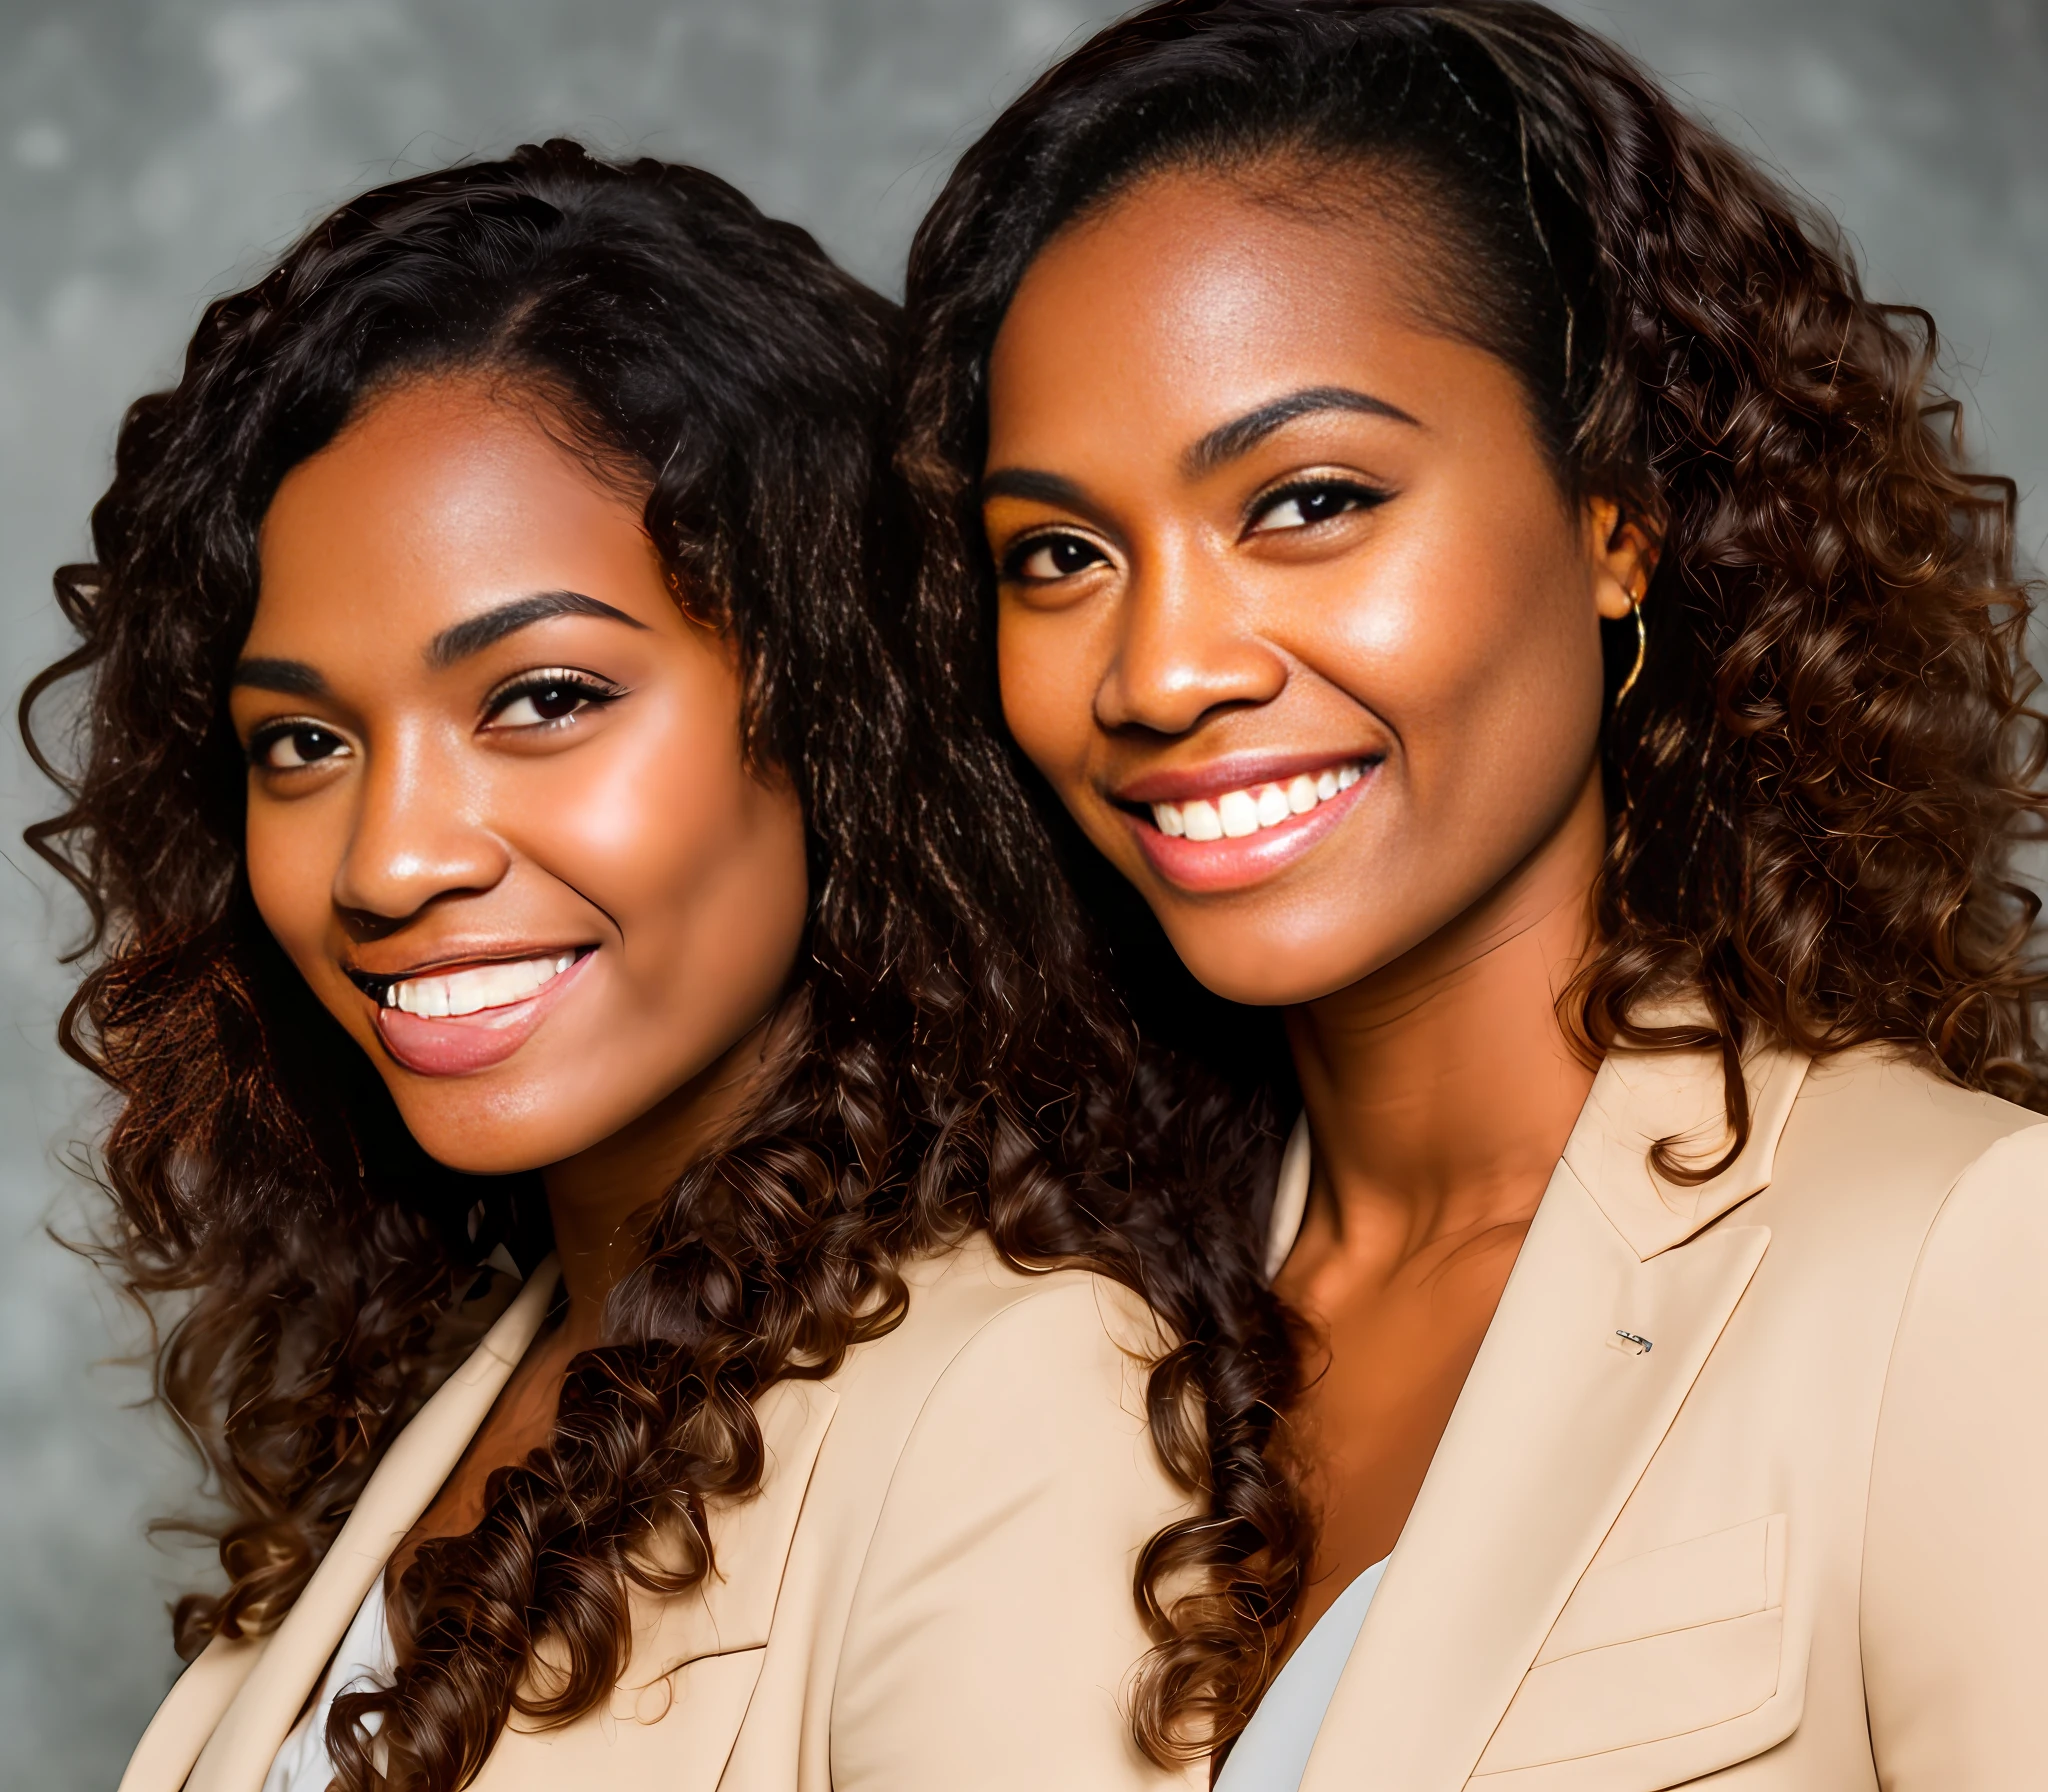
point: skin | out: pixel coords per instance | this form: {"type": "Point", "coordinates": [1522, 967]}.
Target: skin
{"type": "Point", "coordinates": [1207, 579]}
{"type": "Point", "coordinates": [420, 802]}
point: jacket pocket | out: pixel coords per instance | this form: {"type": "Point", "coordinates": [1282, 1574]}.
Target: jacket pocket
{"type": "Point", "coordinates": [1661, 1667]}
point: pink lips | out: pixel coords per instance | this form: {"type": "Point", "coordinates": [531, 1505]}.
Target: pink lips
{"type": "Point", "coordinates": [463, 1043]}
{"type": "Point", "coordinates": [1206, 866]}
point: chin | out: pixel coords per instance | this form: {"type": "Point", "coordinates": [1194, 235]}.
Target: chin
{"type": "Point", "coordinates": [1263, 971]}
{"type": "Point", "coordinates": [504, 1133]}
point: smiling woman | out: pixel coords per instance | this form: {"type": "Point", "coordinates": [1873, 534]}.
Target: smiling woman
{"type": "Point", "coordinates": [471, 813]}
{"type": "Point", "coordinates": [649, 1265]}
{"type": "Point", "coordinates": [1457, 540]}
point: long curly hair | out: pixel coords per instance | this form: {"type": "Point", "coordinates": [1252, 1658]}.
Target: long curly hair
{"type": "Point", "coordinates": [312, 1264]}
{"type": "Point", "coordinates": [1818, 785]}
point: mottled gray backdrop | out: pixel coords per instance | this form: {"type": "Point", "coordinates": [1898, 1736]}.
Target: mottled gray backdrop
{"type": "Point", "coordinates": [154, 151]}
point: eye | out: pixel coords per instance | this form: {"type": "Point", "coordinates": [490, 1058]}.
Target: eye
{"type": "Point", "coordinates": [293, 746]}
{"type": "Point", "coordinates": [546, 699]}
{"type": "Point", "coordinates": [1042, 559]}
{"type": "Point", "coordinates": [1303, 505]}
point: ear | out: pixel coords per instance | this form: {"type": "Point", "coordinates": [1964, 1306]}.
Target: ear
{"type": "Point", "coordinates": [1621, 554]}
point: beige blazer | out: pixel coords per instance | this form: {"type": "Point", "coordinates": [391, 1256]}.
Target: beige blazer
{"type": "Point", "coordinates": [1749, 1484]}
{"type": "Point", "coordinates": [931, 1592]}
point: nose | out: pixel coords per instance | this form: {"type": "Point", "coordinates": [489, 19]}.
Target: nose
{"type": "Point", "coordinates": [420, 833]}
{"type": "Point", "coordinates": [1188, 644]}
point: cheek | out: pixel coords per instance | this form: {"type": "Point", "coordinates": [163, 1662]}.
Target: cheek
{"type": "Point", "coordinates": [1048, 680]}
{"type": "Point", "coordinates": [291, 861]}
{"type": "Point", "coordinates": [698, 864]}
{"type": "Point", "coordinates": [1481, 645]}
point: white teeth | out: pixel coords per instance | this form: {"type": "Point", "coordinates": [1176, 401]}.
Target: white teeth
{"type": "Point", "coordinates": [1237, 813]}
{"type": "Point", "coordinates": [470, 992]}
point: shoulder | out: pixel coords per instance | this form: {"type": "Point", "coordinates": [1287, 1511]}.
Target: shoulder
{"type": "Point", "coordinates": [974, 1317]}
{"type": "Point", "coordinates": [996, 1379]}
{"type": "Point", "coordinates": [1875, 1136]}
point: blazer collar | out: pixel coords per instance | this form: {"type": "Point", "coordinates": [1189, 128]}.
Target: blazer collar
{"type": "Point", "coordinates": [1641, 1098]}
{"type": "Point", "coordinates": [242, 1746]}
{"type": "Point", "coordinates": [1616, 1301]}
{"type": "Point", "coordinates": [1637, 1100]}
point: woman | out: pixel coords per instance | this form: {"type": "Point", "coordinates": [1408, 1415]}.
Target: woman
{"type": "Point", "coordinates": [1458, 541]}
{"type": "Point", "coordinates": [494, 793]}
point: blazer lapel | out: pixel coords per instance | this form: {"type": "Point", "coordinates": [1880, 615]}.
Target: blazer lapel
{"type": "Point", "coordinates": [1613, 1307]}
{"type": "Point", "coordinates": [261, 1714]}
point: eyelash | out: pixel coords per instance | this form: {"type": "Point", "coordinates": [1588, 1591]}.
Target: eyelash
{"type": "Point", "coordinates": [1020, 553]}
{"type": "Point", "coordinates": [1359, 496]}
{"type": "Point", "coordinates": [595, 692]}
{"type": "Point", "coordinates": [264, 739]}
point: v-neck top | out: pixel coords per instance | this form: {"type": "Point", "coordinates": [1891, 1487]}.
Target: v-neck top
{"type": "Point", "coordinates": [364, 1657]}
{"type": "Point", "coordinates": [1272, 1753]}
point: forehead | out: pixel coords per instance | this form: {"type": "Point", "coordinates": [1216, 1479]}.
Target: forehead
{"type": "Point", "coordinates": [444, 494]}
{"type": "Point", "coordinates": [1203, 289]}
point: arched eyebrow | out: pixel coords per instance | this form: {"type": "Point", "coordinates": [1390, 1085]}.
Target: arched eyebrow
{"type": "Point", "coordinates": [474, 633]}
{"type": "Point", "coordinates": [291, 678]}
{"type": "Point", "coordinates": [1242, 434]}
{"type": "Point", "coordinates": [1034, 487]}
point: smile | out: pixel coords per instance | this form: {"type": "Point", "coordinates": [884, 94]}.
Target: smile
{"type": "Point", "coordinates": [1242, 828]}
{"type": "Point", "coordinates": [463, 1019]}
{"type": "Point", "coordinates": [1236, 814]}
{"type": "Point", "coordinates": [472, 991]}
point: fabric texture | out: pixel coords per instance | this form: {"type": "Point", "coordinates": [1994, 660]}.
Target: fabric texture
{"type": "Point", "coordinates": [1744, 1487]}
{"type": "Point", "coordinates": [931, 1590]}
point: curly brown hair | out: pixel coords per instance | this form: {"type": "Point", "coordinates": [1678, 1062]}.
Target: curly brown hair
{"type": "Point", "coordinates": [939, 1076]}
{"type": "Point", "coordinates": [1819, 781]}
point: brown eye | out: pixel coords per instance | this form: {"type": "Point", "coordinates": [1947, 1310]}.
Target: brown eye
{"type": "Point", "coordinates": [547, 697]}
{"type": "Point", "coordinates": [296, 746]}
{"type": "Point", "coordinates": [1046, 558]}
{"type": "Point", "coordinates": [544, 703]}
{"type": "Point", "coordinates": [1319, 501]}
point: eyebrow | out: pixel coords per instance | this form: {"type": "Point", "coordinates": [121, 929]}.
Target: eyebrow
{"type": "Point", "coordinates": [1242, 434]}
{"type": "Point", "coordinates": [294, 678]}
{"type": "Point", "coordinates": [1034, 487]}
{"type": "Point", "coordinates": [475, 633]}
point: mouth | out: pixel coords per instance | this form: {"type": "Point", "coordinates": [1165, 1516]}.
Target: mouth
{"type": "Point", "coordinates": [1210, 837]}
{"type": "Point", "coordinates": [452, 1019]}
{"type": "Point", "coordinates": [1254, 808]}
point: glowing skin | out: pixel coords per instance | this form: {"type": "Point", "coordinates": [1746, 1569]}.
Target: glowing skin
{"type": "Point", "coordinates": [524, 865]}
{"type": "Point", "coordinates": [1258, 522]}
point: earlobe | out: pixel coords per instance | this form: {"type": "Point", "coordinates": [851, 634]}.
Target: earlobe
{"type": "Point", "coordinates": [1624, 553]}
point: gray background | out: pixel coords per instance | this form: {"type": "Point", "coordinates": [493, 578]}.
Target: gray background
{"type": "Point", "coordinates": [153, 153]}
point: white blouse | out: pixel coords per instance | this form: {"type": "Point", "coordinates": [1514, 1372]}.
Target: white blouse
{"type": "Point", "coordinates": [365, 1655]}
{"type": "Point", "coordinates": [1272, 1752]}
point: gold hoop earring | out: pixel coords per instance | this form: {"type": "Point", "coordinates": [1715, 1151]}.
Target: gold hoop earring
{"type": "Point", "coordinates": [1642, 647]}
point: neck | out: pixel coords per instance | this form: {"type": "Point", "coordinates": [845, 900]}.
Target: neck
{"type": "Point", "coordinates": [596, 1198]}
{"type": "Point", "coordinates": [1441, 1089]}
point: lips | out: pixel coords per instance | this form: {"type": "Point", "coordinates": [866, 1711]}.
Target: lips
{"type": "Point", "coordinates": [455, 1021]}
{"type": "Point", "coordinates": [1235, 824]}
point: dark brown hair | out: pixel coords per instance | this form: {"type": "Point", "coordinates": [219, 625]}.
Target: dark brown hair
{"type": "Point", "coordinates": [1817, 785]}
{"type": "Point", "coordinates": [939, 1077]}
